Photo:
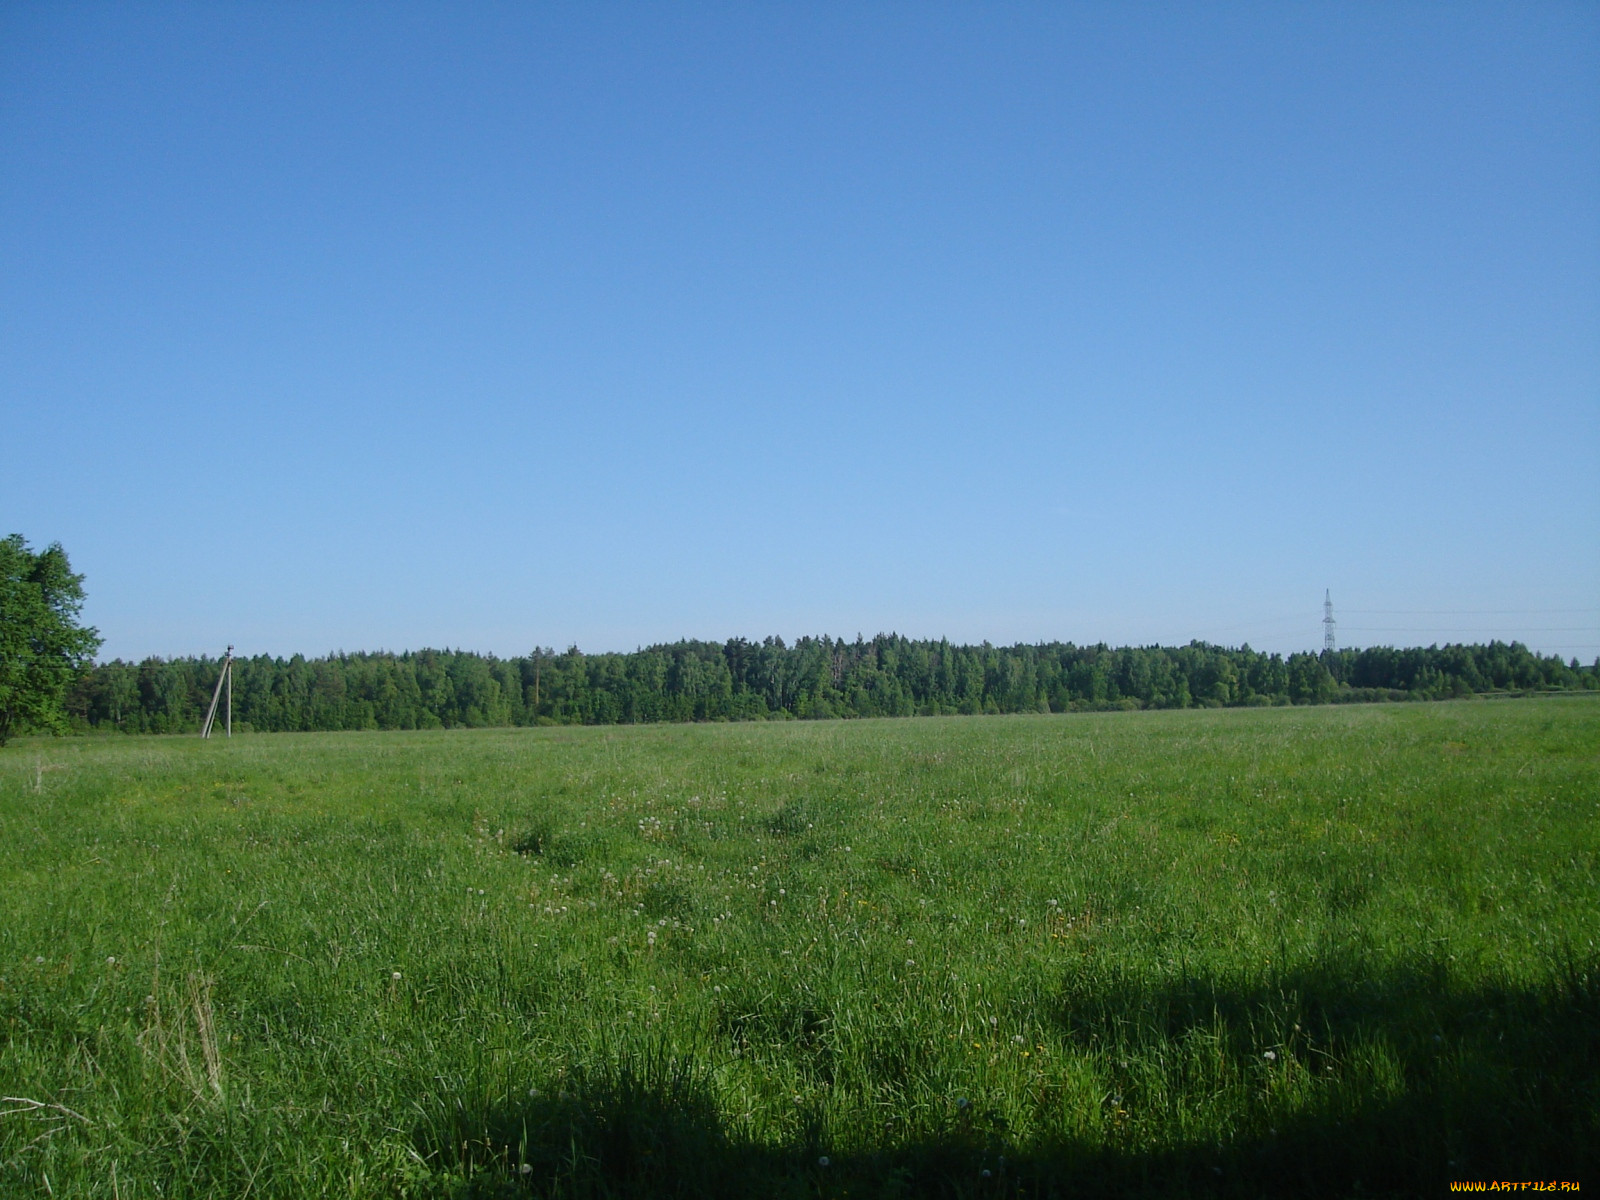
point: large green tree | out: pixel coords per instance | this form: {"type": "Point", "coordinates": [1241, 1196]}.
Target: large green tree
{"type": "Point", "coordinates": [43, 648]}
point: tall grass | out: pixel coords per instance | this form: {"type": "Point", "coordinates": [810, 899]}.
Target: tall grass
{"type": "Point", "coordinates": [1226, 952]}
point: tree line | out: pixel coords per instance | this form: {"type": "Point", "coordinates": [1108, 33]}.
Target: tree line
{"type": "Point", "coordinates": [813, 677]}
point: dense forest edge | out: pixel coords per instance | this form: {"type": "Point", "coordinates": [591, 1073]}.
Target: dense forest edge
{"type": "Point", "coordinates": [885, 676]}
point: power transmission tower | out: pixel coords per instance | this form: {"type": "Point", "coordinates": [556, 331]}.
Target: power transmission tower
{"type": "Point", "coordinates": [224, 686]}
{"type": "Point", "coordinates": [1327, 620]}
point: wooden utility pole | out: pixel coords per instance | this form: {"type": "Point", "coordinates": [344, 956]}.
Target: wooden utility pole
{"type": "Point", "coordinates": [224, 687]}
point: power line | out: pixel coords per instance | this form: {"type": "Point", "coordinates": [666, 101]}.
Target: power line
{"type": "Point", "coordinates": [1275, 623]}
{"type": "Point", "coordinates": [1469, 612]}
{"type": "Point", "coordinates": [1458, 629]}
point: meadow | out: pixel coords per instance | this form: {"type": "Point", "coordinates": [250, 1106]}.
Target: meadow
{"type": "Point", "coordinates": [1326, 951]}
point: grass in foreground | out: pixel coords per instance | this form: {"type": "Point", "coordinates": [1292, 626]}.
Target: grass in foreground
{"type": "Point", "coordinates": [1330, 951]}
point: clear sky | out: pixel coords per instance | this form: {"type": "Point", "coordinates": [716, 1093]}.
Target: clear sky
{"type": "Point", "coordinates": [382, 326]}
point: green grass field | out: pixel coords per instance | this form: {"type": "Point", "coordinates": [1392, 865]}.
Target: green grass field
{"type": "Point", "coordinates": [1284, 951]}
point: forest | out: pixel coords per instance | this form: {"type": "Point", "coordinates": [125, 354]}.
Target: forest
{"type": "Point", "coordinates": [814, 677]}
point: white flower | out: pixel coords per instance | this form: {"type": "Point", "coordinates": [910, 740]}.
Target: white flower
{"type": "Point", "coordinates": [1271, 1056]}
{"type": "Point", "coordinates": [396, 975]}
{"type": "Point", "coordinates": [111, 960]}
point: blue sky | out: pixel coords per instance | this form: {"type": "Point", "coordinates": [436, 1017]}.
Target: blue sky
{"type": "Point", "coordinates": [374, 326]}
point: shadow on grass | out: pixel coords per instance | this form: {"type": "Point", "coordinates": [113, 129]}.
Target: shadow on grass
{"type": "Point", "coordinates": [1332, 1082]}
{"type": "Point", "coordinates": [1355, 1081]}
{"type": "Point", "coordinates": [639, 1128]}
